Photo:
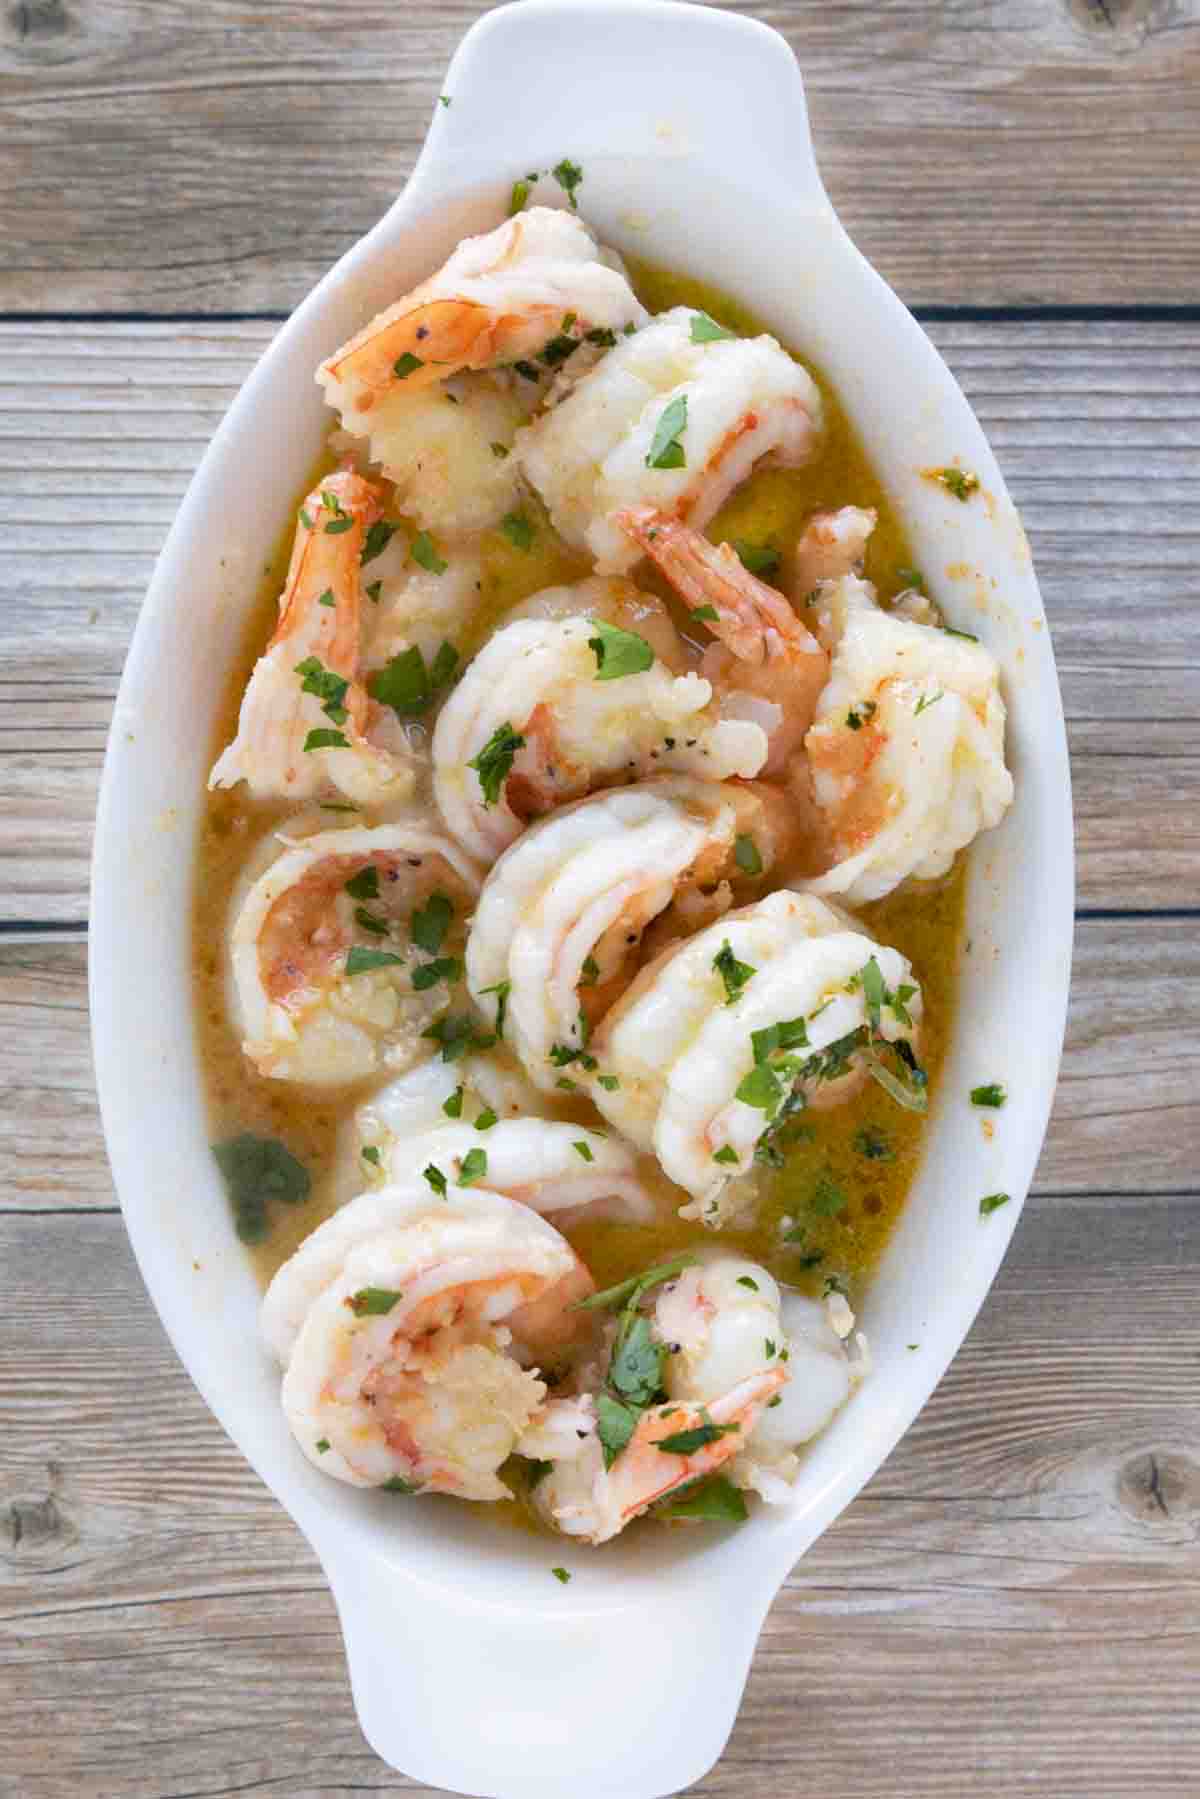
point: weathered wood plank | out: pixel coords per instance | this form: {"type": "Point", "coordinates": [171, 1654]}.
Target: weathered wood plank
{"type": "Point", "coordinates": [101, 425]}
{"type": "Point", "coordinates": [164, 1631]}
{"type": "Point", "coordinates": [221, 160]}
{"type": "Point", "coordinates": [1125, 1118]}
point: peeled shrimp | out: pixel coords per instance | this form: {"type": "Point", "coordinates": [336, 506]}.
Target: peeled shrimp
{"type": "Point", "coordinates": [403, 1323]}
{"type": "Point", "coordinates": [729, 1322]}
{"type": "Point", "coordinates": [729, 1361]}
{"type": "Point", "coordinates": [303, 1015]}
{"type": "Point", "coordinates": [764, 655]}
{"type": "Point", "coordinates": [533, 723]}
{"type": "Point", "coordinates": [681, 1042]}
{"type": "Point", "coordinates": [553, 1167]}
{"type": "Point", "coordinates": [499, 298]}
{"type": "Point", "coordinates": [832, 545]}
{"type": "Point", "coordinates": [734, 403]}
{"type": "Point", "coordinates": [907, 747]}
{"type": "Point", "coordinates": [564, 908]}
{"type": "Point", "coordinates": [303, 716]}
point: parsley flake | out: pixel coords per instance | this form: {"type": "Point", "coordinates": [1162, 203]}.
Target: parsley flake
{"type": "Point", "coordinates": [406, 365]}
{"type": "Point", "coordinates": [436, 1179]}
{"type": "Point", "coordinates": [365, 884]}
{"type": "Point", "coordinates": [568, 174]}
{"type": "Point", "coordinates": [733, 973]}
{"type": "Point", "coordinates": [494, 762]}
{"type": "Point", "coordinates": [993, 1095]}
{"type": "Point", "coordinates": [453, 1106]}
{"type": "Point", "coordinates": [992, 1202]}
{"type": "Point", "coordinates": [518, 530]}
{"type": "Point", "coordinates": [583, 1149]}
{"type": "Point", "coordinates": [379, 536]}
{"type": "Point", "coordinates": [362, 961]}
{"type": "Point", "coordinates": [959, 482]}
{"type": "Point", "coordinates": [325, 740]}
{"type": "Point", "coordinates": [745, 854]}
{"type": "Point", "coordinates": [761, 559]}
{"type": "Point", "coordinates": [473, 1167]}
{"type": "Point", "coordinates": [619, 653]}
{"type": "Point", "coordinates": [430, 922]}
{"type": "Point", "coordinates": [707, 331]}
{"type": "Point", "coordinates": [422, 551]}
{"type": "Point", "coordinates": [373, 1302]}
{"type": "Point", "coordinates": [666, 450]}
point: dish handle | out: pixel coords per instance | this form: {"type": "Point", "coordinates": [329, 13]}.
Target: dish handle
{"type": "Point", "coordinates": [600, 81]}
{"type": "Point", "coordinates": [548, 1695]}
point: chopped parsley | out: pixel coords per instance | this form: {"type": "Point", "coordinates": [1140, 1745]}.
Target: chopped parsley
{"type": "Point", "coordinates": [707, 331]}
{"type": "Point", "coordinates": [328, 687]}
{"type": "Point", "coordinates": [527, 371]}
{"type": "Point", "coordinates": [499, 450]}
{"type": "Point", "coordinates": [370, 1153]}
{"type": "Point", "coordinates": [745, 854]}
{"type": "Point", "coordinates": [556, 352]}
{"type": "Point", "coordinates": [519, 195]}
{"type": "Point", "coordinates": [601, 335]}
{"type": "Point", "coordinates": [362, 961]}
{"type": "Point", "coordinates": [568, 174]}
{"type": "Point", "coordinates": [959, 482]}
{"type": "Point", "coordinates": [379, 536]}
{"type": "Point", "coordinates": [456, 1033]}
{"type": "Point", "coordinates": [666, 450]}
{"type": "Point", "coordinates": [726, 1155]}
{"type": "Point", "coordinates": [758, 558]}
{"type": "Point", "coordinates": [326, 740]}
{"type": "Point", "coordinates": [911, 579]}
{"type": "Point", "coordinates": [428, 974]}
{"type": "Point", "coordinates": [374, 589]}
{"type": "Point", "coordinates": [406, 685]}
{"type": "Point", "coordinates": [336, 526]}
{"type": "Point", "coordinates": [706, 614]}
{"type": "Point", "coordinates": [619, 653]}
{"type": "Point", "coordinates": [473, 1167]}
{"type": "Point", "coordinates": [518, 530]}
{"type": "Point", "coordinates": [992, 1202]}
{"type": "Point", "coordinates": [257, 1170]}
{"type": "Point", "coordinates": [745, 1280]}
{"type": "Point", "coordinates": [453, 1106]}
{"type": "Point", "coordinates": [560, 1574]}
{"type": "Point", "coordinates": [406, 365]}
{"type": "Point", "coordinates": [326, 598]}
{"type": "Point", "coordinates": [589, 973]}
{"type": "Point", "coordinates": [827, 1199]}
{"type": "Point", "coordinates": [715, 1500]}
{"type": "Point", "coordinates": [687, 1442]}
{"type": "Point", "coordinates": [993, 1095]}
{"type": "Point", "coordinates": [583, 1149]}
{"type": "Point", "coordinates": [609, 1082]}
{"type": "Point", "coordinates": [502, 989]}
{"type": "Point", "coordinates": [628, 1292]}
{"type": "Point", "coordinates": [373, 1302]}
{"type": "Point", "coordinates": [733, 973]}
{"type": "Point", "coordinates": [486, 1119]}
{"type": "Point", "coordinates": [925, 702]}
{"type": "Point", "coordinates": [436, 1179]}
{"type": "Point", "coordinates": [430, 922]}
{"type": "Point", "coordinates": [321, 1445]}
{"type": "Point", "coordinates": [762, 1088]}
{"type": "Point", "coordinates": [369, 922]}
{"type": "Point", "coordinates": [872, 1145]}
{"type": "Point", "coordinates": [858, 716]}
{"type": "Point", "coordinates": [395, 1483]}
{"type": "Point", "coordinates": [422, 551]}
{"type": "Point", "coordinates": [494, 762]}
{"type": "Point", "coordinates": [365, 884]}
{"type": "Point", "coordinates": [968, 636]}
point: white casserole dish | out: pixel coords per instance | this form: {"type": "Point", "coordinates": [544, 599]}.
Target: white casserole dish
{"type": "Point", "coordinates": [472, 1668]}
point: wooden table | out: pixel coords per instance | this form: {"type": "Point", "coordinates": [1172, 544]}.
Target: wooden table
{"type": "Point", "coordinates": [1012, 1605]}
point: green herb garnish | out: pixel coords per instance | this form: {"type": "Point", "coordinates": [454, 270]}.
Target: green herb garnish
{"type": "Point", "coordinates": [430, 922]}
{"type": "Point", "coordinates": [406, 365]}
{"type": "Point", "coordinates": [494, 762]}
{"type": "Point", "coordinates": [992, 1202]}
{"type": "Point", "coordinates": [666, 450]}
{"type": "Point", "coordinates": [373, 1302]}
{"type": "Point", "coordinates": [257, 1170]}
{"type": "Point", "coordinates": [518, 530]}
{"type": "Point", "coordinates": [733, 973]}
{"type": "Point", "coordinates": [993, 1095]}
{"type": "Point", "coordinates": [379, 536]}
{"type": "Point", "coordinates": [707, 331]}
{"type": "Point", "coordinates": [422, 551]}
{"type": "Point", "coordinates": [325, 740]}
{"type": "Point", "coordinates": [568, 174]}
{"type": "Point", "coordinates": [619, 653]}
{"type": "Point", "coordinates": [362, 961]}
{"type": "Point", "coordinates": [745, 854]}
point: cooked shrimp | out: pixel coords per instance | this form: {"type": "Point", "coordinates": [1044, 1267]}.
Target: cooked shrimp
{"type": "Point", "coordinates": [311, 1009]}
{"type": "Point", "coordinates": [500, 298]}
{"type": "Point", "coordinates": [402, 1324]}
{"type": "Point", "coordinates": [907, 747]}
{"type": "Point", "coordinates": [446, 448]}
{"type": "Point", "coordinates": [563, 910]}
{"type": "Point", "coordinates": [783, 1002]}
{"type": "Point", "coordinates": [764, 653]}
{"type": "Point", "coordinates": [536, 720]}
{"type": "Point", "coordinates": [832, 545]}
{"type": "Point", "coordinates": [303, 717]}
{"type": "Point", "coordinates": [673, 419]}
{"type": "Point", "coordinates": [726, 1361]}
{"type": "Point", "coordinates": [728, 1321]}
{"type": "Point", "coordinates": [556, 1168]}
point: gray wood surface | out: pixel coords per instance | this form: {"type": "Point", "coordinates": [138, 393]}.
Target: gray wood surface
{"type": "Point", "coordinates": [1011, 1606]}
{"type": "Point", "coordinates": [220, 157]}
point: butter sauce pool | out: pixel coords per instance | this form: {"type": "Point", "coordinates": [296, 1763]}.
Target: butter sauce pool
{"type": "Point", "coordinates": [827, 1213]}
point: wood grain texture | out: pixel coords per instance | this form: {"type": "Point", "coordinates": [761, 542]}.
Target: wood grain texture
{"type": "Point", "coordinates": [1095, 425]}
{"type": "Point", "coordinates": [165, 1632]}
{"type": "Point", "coordinates": [181, 158]}
{"type": "Point", "coordinates": [1125, 1118]}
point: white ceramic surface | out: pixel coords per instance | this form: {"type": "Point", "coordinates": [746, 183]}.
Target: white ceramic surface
{"type": "Point", "coordinates": [472, 1668]}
